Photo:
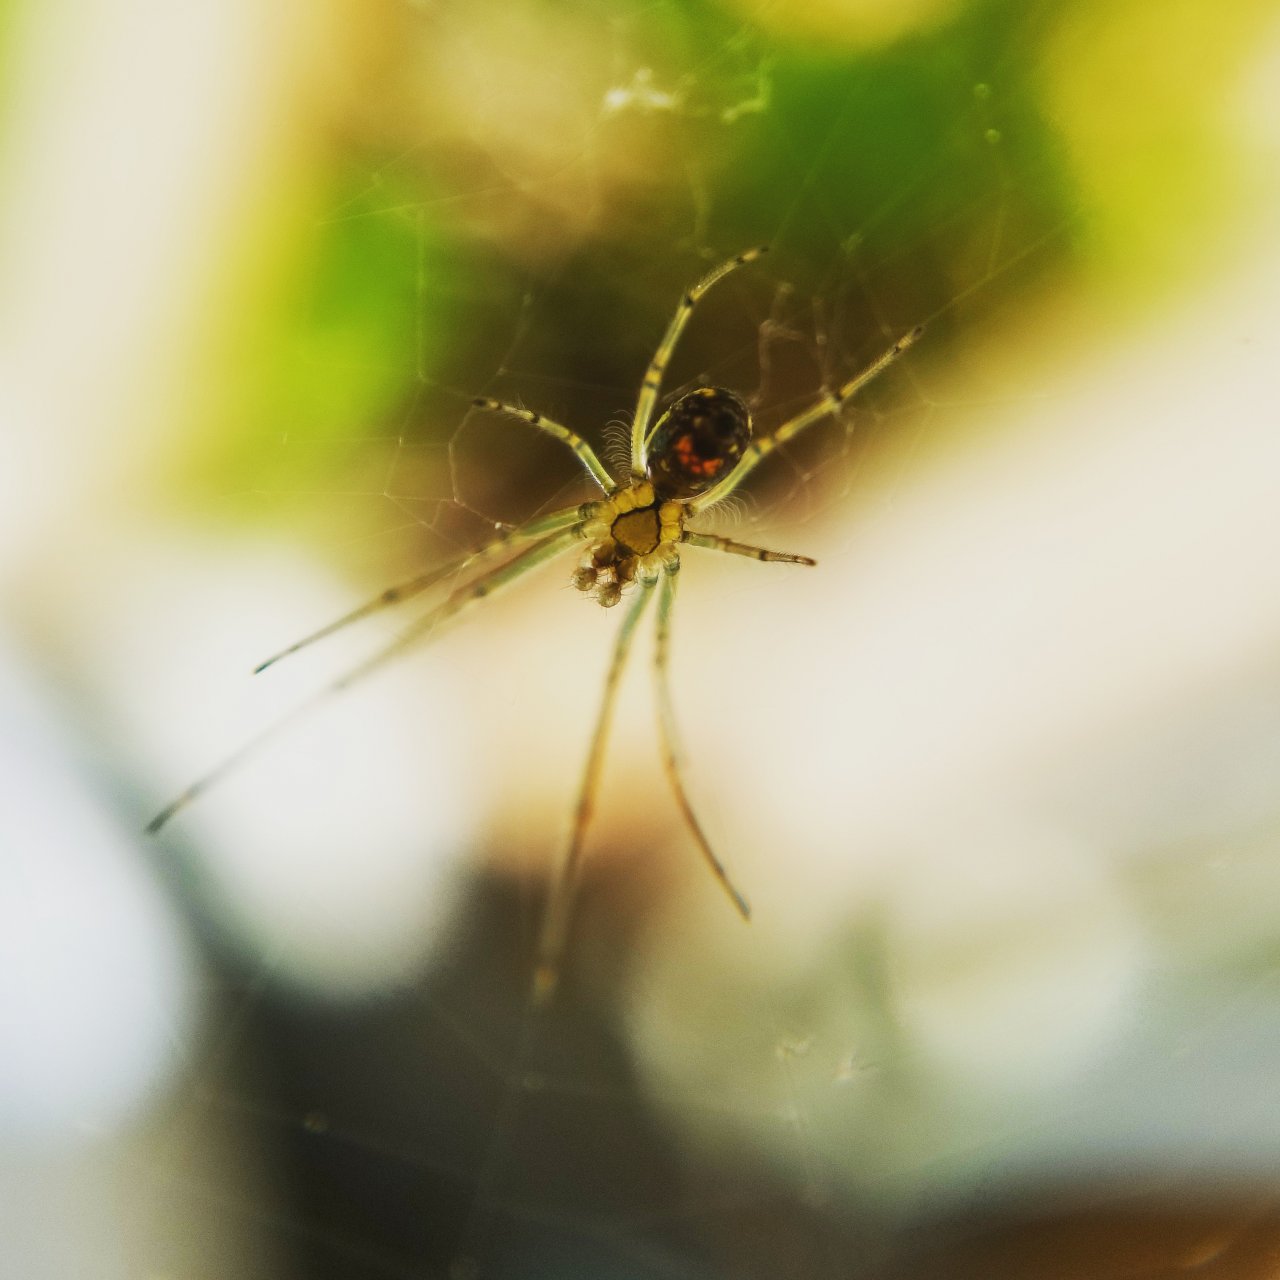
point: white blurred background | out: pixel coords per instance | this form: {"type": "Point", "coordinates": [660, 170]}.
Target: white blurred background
{"type": "Point", "coordinates": [1001, 777]}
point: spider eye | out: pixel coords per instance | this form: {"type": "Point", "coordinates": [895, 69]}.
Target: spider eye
{"type": "Point", "coordinates": [697, 442]}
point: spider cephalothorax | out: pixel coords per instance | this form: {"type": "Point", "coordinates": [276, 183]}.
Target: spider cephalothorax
{"type": "Point", "coordinates": [630, 535]}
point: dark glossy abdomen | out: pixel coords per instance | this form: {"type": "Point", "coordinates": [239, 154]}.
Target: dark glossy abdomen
{"type": "Point", "coordinates": [697, 442]}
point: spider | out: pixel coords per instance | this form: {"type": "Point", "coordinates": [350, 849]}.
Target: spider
{"type": "Point", "coordinates": [695, 455]}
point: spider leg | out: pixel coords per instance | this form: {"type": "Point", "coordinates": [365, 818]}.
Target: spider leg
{"type": "Point", "coordinates": [714, 543]}
{"type": "Point", "coordinates": [506, 540]}
{"type": "Point", "coordinates": [555, 924]}
{"type": "Point", "coordinates": [671, 761]}
{"type": "Point", "coordinates": [453, 604]}
{"type": "Point", "coordinates": [586, 454]}
{"type": "Point", "coordinates": [829, 404]}
{"type": "Point", "coordinates": [658, 365]}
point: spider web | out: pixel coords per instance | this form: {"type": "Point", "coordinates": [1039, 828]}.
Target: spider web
{"type": "Point", "coordinates": [998, 776]}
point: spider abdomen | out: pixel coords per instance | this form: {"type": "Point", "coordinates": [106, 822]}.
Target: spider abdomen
{"type": "Point", "coordinates": [697, 442]}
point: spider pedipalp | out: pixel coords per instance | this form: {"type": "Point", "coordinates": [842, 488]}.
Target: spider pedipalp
{"type": "Point", "coordinates": [631, 536]}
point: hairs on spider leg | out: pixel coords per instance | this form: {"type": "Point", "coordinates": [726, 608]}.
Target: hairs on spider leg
{"type": "Point", "coordinates": [617, 445]}
{"type": "Point", "coordinates": [736, 510]}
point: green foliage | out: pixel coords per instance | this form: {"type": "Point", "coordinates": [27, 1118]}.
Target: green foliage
{"type": "Point", "coordinates": [334, 322]}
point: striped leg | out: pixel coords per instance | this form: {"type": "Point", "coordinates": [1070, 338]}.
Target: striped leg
{"type": "Point", "coordinates": [668, 737]}
{"type": "Point", "coordinates": [758, 450]}
{"type": "Point", "coordinates": [502, 542]}
{"type": "Point", "coordinates": [450, 607]}
{"type": "Point", "coordinates": [586, 454]}
{"type": "Point", "coordinates": [713, 543]}
{"type": "Point", "coordinates": [658, 365]}
{"type": "Point", "coordinates": [555, 924]}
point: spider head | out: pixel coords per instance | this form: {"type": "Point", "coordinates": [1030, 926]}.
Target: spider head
{"type": "Point", "coordinates": [697, 442]}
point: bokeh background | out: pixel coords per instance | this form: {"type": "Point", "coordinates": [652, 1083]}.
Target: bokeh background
{"type": "Point", "coordinates": [1001, 776]}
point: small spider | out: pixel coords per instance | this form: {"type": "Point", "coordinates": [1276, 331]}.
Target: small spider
{"type": "Point", "coordinates": [696, 454]}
